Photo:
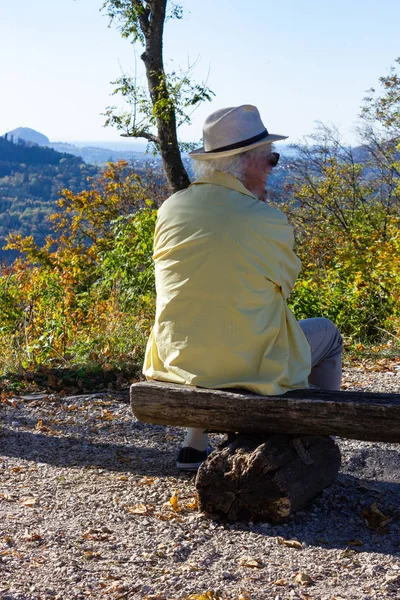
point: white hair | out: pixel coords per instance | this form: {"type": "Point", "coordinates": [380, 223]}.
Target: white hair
{"type": "Point", "coordinates": [235, 165]}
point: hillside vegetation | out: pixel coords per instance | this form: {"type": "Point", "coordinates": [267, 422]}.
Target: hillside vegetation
{"type": "Point", "coordinates": [31, 178]}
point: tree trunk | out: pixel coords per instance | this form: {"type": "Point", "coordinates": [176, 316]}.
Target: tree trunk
{"type": "Point", "coordinates": [163, 107]}
{"type": "Point", "coordinates": [266, 478]}
{"type": "Point", "coordinates": [357, 415]}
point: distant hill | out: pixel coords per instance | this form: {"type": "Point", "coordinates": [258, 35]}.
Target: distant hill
{"type": "Point", "coordinates": [29, 135]}
{"type": "Point", "coordinates": [31, 178]}
{"type": "Point", "coordinates": [101, 156]}
{"type": "Point", "coordinates": [90, 154]}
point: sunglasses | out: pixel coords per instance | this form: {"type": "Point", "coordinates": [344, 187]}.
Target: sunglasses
{"type": "Point", "coordinates": [273, 159]}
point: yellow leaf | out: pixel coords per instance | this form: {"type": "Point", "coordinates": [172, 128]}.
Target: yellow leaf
{"type": "Point", "coordinates": [174, 502]}
{"type": "Point", "coordinates": [193, 504]}
{"type": "Point", "coordinates": [290, 543]}
{"type": "Point", "coordinates": [139, 509]}
{"type": "Point", "coordinates": [302, 579]}
{"type": "Point", "coordinates": [251, 561]}
{"type": "Point", "coordinates": [28, 501]}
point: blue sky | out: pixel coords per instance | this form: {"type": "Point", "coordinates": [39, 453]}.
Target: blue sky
{"type": "Point", "coordinates": [299, 61]}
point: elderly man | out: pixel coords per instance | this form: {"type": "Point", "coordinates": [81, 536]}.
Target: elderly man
{"type": "Point", "coordinates": [225, 266]}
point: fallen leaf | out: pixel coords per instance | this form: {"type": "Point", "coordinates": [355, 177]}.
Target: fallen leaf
{"type": "Point", "coordinates": [207, 596]}
{"type": "Point", "coordinates": [168, 517]}
{"type": "Point", "coordinates": [115, 587]}
{"type": "Point", "coordinates": [147, 480]}
{"type": "Point", "coordinates": [374, 518]}
{"type": "Point", "coordinates": [348, 553]}
{"type": "Point", "coordinates": [10, 401]}
{"type": "Point", "coordinates": [251, 561]}
{"type": "Point", "coordinates": [174, 502]}
{"type": "Point", "coordinates": [290, 543]}
{"type": "Point", "coordinates": [193, 504]}
{"type": "Point", "coordinates": [101, 403]}
{"type": "Point", "coordinates": [8, 498]}
{"type": "Point", "coordinates": [8, 540]}
{"type": "Point", "coordinates": [355, 543]}
{"type": "Point", "coordinates": [302, 579]}
{"type": "Point", "coordinates": [280, 582]}
{"type": "Point", "coordinates": [107, 367]}
{"type": "Point", "coordinates": [98, 535]}
{"type": "Point", "coordinates": [28, 501]}
{"type": "Point", "coordinates": [106, 415]}
{"type": "Point", "coordinates": [18, 469]}
{"type": "Point", "coordinates": [32, 537]}
{"type": "Point", "coordinates": [140, 509]}
{"type": "Point", "coordinates": [89, 555]}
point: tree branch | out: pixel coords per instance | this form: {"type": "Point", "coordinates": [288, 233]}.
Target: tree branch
{"type": "Point", "coordinates": [136, 133]}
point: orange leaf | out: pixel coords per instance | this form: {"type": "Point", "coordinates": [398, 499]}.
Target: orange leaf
{"type": "Point", "coordinates": [290, 543]}
{"type": "Point", "coordinates": [280, 582]}
{"type": "Point", "coordinates": [147, 480]}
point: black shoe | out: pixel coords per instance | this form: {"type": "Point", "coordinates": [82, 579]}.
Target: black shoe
{"type": "Point", "coordinates": [190, 459]}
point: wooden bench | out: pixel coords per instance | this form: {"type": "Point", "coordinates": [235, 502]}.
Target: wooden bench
{"type": "Point", "coordinates": [283, 456]}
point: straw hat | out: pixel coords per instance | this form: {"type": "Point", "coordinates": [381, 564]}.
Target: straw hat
{"type": "Point", "coordinates": [231, 131]}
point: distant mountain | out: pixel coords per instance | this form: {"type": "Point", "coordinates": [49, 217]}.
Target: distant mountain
{"type": "Point", "coordinates": [29, 135]}
{"type": "Point", "coordinates": [101, 156]}
{"type": "Point", "coordinates": [91, 154]}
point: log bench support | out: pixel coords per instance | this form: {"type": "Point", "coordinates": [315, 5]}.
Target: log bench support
{"type": "Point", "coordinates": [283, 456]}
{"type": "Point", "coordinates": [266, 478]}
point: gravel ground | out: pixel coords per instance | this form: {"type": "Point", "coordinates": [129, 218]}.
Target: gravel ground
{"type": "Point", "coordinates": [86, 513]}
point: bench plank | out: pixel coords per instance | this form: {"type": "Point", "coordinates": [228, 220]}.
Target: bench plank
{"type": "Point", "coordinates": [356, 415]}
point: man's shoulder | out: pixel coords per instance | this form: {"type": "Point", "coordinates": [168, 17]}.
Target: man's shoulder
{"type": "Point", "coordinates": [174, 199]}
{"type": "Point", "coordinates": [271, 214]}
{"type": "Point", "coordinates": [201, 194]}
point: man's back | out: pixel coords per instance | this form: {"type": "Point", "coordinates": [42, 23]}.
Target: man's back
{"type": "Point", "coordinates": [224, 266]}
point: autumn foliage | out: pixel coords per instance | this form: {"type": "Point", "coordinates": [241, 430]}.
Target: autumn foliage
{"type": "Point", "coordinates": [88, 293]}
{"type": "Point", "coordinates": [348, 238]}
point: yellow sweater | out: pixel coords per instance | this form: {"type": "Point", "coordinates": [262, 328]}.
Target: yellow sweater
{"type": "Point", "coordinates": [224, 267]}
